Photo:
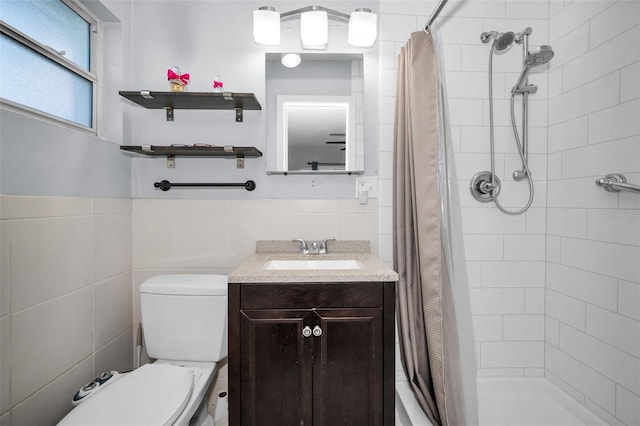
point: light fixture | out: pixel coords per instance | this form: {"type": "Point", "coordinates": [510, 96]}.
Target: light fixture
{"type": "Point", "coordinates": [314, 29]}
{"type": "Point", "coordinates": [266, 26]}
{"type": "Point", "coordinates": [363, 28]}
{"type": "Point", "coordinates": [290, 60]}
{"type": "Point", "coordinates": [314, 26]}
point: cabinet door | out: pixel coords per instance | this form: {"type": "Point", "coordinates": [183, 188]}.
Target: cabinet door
{"type": "Point", "coordinates": [275, 368]}
{"type": "Point", "coordinates": [348, 368]}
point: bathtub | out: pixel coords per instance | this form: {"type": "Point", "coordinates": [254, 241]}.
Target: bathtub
{"type": "Point", "coordinates": [517, 401]}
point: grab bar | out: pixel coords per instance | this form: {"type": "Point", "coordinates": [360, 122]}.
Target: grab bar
{"type": "Point", "coordinates": [616, 182]}
{"type": "Point", "coordinates": [165, 185]}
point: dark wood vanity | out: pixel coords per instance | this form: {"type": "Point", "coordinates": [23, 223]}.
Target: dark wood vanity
{"type": "Point", "coordinates": [318, 354]}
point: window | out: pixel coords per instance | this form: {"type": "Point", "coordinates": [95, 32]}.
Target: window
{"type": "Point", "coordinates": [46, 59]}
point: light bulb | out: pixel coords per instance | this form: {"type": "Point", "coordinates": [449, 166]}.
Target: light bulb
{"type": "Point", "coordinates": [266, 26]}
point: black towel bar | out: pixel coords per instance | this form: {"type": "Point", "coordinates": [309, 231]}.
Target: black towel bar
{"type": "Point", "coordinates": [165, 185]}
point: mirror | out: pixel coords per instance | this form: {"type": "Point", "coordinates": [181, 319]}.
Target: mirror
{"type": "Point", "coordinates": [315, 114]}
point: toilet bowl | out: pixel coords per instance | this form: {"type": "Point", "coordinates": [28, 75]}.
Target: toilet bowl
{"type": "Point", "coordinates": [185, 328]}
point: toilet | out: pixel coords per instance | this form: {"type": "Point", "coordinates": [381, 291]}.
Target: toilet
{"type": "Point", "coordinates": [184, 320]}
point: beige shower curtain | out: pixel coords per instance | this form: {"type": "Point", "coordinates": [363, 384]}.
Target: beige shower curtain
{"type": "Point", "coordinates": [436, 341]}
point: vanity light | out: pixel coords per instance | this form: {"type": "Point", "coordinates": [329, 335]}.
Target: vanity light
{"type": "Point", "coordinates": [266, 26]}
{"type": "Point", "coordinates": [314, 26]}
{"type": "Point", "coordinates": [363, 28]}
{"type": "Point", "coordinates": [290, 60]}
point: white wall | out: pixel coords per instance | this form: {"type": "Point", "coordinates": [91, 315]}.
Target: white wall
{"type": "Point", "coordinates": [593, 237]}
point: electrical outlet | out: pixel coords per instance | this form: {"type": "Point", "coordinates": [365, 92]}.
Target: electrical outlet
{"type": "Point", "coordinates": [369, 184]}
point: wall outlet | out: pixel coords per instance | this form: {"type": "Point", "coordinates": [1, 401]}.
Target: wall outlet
{"type": "Point", "coordinates": [369, 184]}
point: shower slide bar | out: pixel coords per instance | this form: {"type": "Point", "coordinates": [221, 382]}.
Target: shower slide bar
{"type": "Point", "coordinates": [435, 14]}
{"type": "Point", "coordinates": [616, 182]}
{"type": "Point", "coordinates": [165, 185]}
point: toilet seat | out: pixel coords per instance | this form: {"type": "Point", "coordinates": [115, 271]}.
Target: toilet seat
{"type": "Point", "coordinates": [152, 395]}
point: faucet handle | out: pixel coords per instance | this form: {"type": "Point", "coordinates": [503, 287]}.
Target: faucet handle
{"type": "Point", "coordinates": [303, 245]}
{"type": "Point", "coordinates": [323, 246]}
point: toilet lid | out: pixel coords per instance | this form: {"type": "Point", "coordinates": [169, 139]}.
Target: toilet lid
{"type": "Point", "coordinates": [152, 395]}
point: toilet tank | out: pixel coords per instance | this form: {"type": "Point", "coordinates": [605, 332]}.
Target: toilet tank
{"type": "Point", "coordinates": [184, 317]}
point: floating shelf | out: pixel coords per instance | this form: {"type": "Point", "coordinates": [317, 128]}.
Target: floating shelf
{"type": "Point", "coordinates": [238, 152]}
{"type": "Point", "coordinates": [194, 100]}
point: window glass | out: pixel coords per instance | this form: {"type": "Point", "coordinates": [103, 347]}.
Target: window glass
{"type": "Point", "coordinates": [52, 23]}
{"type": "Point", "coordinates": [31, 79]}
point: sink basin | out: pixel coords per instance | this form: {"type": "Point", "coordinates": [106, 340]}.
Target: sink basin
{"type": "Point", "coordinates": [308, 264]}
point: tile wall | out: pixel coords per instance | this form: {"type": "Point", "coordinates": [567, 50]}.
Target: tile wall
{"type": "Point", "coordinates": [66, 310]}
{"type": "Point", "coordinates": [505, 254]}
{"type": "Point", "coordinates": [593, 237]}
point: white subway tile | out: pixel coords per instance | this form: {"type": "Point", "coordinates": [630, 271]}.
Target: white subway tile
{"type": "Point", "coordinates": [567, 222]}
{"type": "Point", "coordinates": [555, 82]}
{"type": "Point", "coordinates": [5, 364]}
{"type": "Point", "coordinates": [474, 274]}
{"type": "Point", "coordinates": [584, 379]}
{"type": "Point", "coordinates": [5, 277]}
{"type": "Point", "coordinates": [476, 162]}
{"type": "Point", "coordinates": [112, 245]}
{"type": "Point", "coordinates": [49, 257]}
{"type": "Point", "coordinates": [24, 207]}
{"type": "Point", "coordinates": [491, 221]}
{"type": "Point", "coordinates": [602, 413]}
{"type": "Point", "coordinates": [487, 327]}
{"type": "Point", "coordinates": [534, 372]}
{"type": "Point", "coordinates": [614, 364]}
{"type": "Point", "coordinates": [470, 85]}
{"type": "Point", "coordinates": [502, 112]}
{"type": "Point", "coordinates": [568, 134]}
{"type": "Point", "coordinates": [571, 46]}
{"type": "Point", "coordinates": [616, 122]}
{"type": "Point", "coordinates": [565, 309]}
{"type": "Point", "coordinates": [51, 328]}
{"type": "Point", "coordinates": [513, 274]}
{"type": "Point", "coordinates": [627, 406]}
{"type": "Point", "coordinates": [115, 355]}
{"type": "Point", "coordinates": [630, 82]}
{"type": "Point", "coordinates": [604, 59]}
{"type": "Point", "coordinates": [553, 249]}
{"type": "Point", "coordinates": [616, 19]}
{"type": "Point", "coordinates": [385, 88]}
{"type": "Point", "coordinates": [524, 247]}
{"type": "Point", "coordinates": [512, 354]}
{"type": "Point", "coordinates": [500, 372]}
{"type": "Point", "coordinates": [483, 9]}
{"type": "Point", "coordinates": [387, 109]}
{"type": "Point", "coordinates": [112, 309]}
{"type": "Point", "coordinates": [51, 403]}
{"type": "Point", "coordinates": [534, 300]}
{"type": "Point", "coordinates": [599, 159]}
{"type": "Point", "coordinates": [537, 165]}
{"type": "Point", "coordinates": [627, 202]}
{"type": "Point", "coordinates": [112, 205]}
{"type": "Point", "coordinates": [492, 301]}
{"type": "Point", "coordinates": [151, 248]}
{"type": "Point", "coordinates": [579, 193]}
{"type": "Point", "coordinates": [552, 331]}
{"type": "Point", "coordinates": [591, 97]}
{"type": "Point", "coordinates": [536, 220]}
{"type": "Point", "coordinates": [629, 299]}
{"type": "Point", "coordinates": [554, 166]}
{"type": "Point", "coordinates": [465, 112]}
{"type": "Point", "coordinates": [565, 387]}
{"type": "Point", "coordinates": [480, 247]}
{"type": "Point", "coordinates": [529, 9]}
{"type": "Point", "coordinates": [514, 195]}
{"type": "Point", "coordinates": [618, 331]}
{"type": "Point", "coordinates": [614, 225]}
{"type": "Point", "coordinates": [555, 6]}
{"type": "Point", "coordinates": [460, 30]}
{"type": "Point", "coordinates": [396, 27]}
{"type": "Point", "coordinates": [573, 15]}
{"type": "Point", "coordinates": [609, 259]}
{"type": "Point", "coordinates": [523, 327]}
{"type": "Point", "coordinates": [596, 289]}
{"type": "Point", "coordinates": [452, 57]}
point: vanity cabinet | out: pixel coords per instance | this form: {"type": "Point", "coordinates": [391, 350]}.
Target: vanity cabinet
{"type": "Point", "coordinates": [317, 354]}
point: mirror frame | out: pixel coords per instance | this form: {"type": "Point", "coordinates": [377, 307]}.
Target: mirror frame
{"type": "Point", "coordinates": [287, 103]}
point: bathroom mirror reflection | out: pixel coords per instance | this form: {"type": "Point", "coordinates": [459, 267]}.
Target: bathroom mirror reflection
{"type": "Point", "coordinates": [315, 114]}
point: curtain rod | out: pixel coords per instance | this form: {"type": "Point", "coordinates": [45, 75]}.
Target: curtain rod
{"type": "Point", "coordinates": [435, 14]}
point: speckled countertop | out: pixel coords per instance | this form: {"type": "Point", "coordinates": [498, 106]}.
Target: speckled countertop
{"type": "Point", "coordinates": [253, 271]}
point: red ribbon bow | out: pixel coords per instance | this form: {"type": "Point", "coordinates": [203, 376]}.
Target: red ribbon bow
{"type": "Point", "coordinates": [184, 78]}
{"type": "Point", "coordinates": [217, 84]}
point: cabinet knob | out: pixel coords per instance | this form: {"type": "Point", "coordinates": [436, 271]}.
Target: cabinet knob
{"type": "Point", "coordinates": [317, 331]}
{"type": "Point", "coordinates": [306, 332]}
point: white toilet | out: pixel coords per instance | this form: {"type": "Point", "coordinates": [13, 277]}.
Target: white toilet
{"type": "Point", "coordinates": [185, 329]}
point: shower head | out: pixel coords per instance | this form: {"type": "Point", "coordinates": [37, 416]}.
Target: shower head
{"type": "Point", "coordinates": [500, 40]}
{"type": "Point", "coordinates": [534, 58]}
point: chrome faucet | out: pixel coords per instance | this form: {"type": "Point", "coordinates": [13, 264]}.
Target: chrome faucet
{"type": "Point", "coordinates": [315, 247]}
{"type": "Point", "coordinates": [304, 248]}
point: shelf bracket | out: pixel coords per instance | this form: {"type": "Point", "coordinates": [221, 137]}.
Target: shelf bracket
{"type": "Point", "coordinates": [240, 162]}
{"type": "Point", "coordinates": [171, 161]}
{"type": "Point", "coordinates": [238, 115]}
{"type": "Point", "coordinates": [169, 113]}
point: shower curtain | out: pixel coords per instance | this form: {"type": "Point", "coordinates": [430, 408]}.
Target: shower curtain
{"type": "Point", "coordinates": [434, 315]}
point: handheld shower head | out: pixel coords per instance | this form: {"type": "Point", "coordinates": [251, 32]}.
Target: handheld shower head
{"type": "Point", "coordinates": [535, 58]}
